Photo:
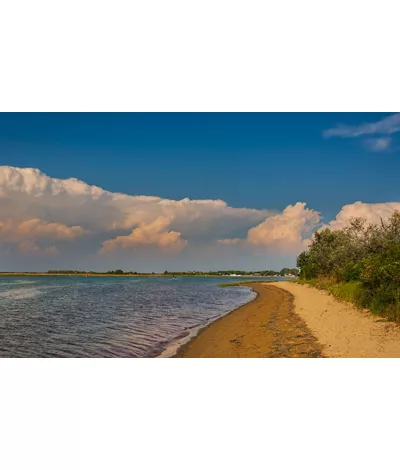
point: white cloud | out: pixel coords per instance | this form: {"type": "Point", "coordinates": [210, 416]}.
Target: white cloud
{"type": "Point", "coordinates": [70, 207]}
{"type": "Point", "coordinates": [379, 144]}
{"type": "Point", "coordinates": [372, 213]}
{"type": "Point", "coordinates": [386, 126]}
{"type": "Point", "coordinates": [24, 234]}
{"type": "Point", "coordinates": [153, 233]}
{"type": "Point", "coordinates": [44, 215]}
{"type": "Point", "coordinates": [12, 230]}
{"type": "Point", "coordinates": [287, 232]}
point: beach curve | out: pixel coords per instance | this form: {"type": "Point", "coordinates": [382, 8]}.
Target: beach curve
{"type": "Point", "coordinates": [265, 327]}
{"type": "Point", "coordinates": [342, 329]}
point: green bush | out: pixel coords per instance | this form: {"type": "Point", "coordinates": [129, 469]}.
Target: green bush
{"type": "Point", "coordinates": [352, 272]}
{"type": "Point", "coordinates": [361, 263]}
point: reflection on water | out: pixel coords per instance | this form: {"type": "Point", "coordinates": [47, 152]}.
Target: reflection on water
{"type": "Point", "coordinates": [106, 317]}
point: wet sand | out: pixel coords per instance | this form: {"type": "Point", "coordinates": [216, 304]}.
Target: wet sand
{"type": "Point", "coordinates": [266, 327]}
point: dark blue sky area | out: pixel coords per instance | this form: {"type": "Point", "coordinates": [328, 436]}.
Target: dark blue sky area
{"type": "Point", "coordinates": [260, 160]}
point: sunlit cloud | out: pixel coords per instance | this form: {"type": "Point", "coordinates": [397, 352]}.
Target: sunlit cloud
{"type": "Point", "coordinates": [65, 209]}
{"type": "Point", "coordinates": [13, 230]}
{"type": "Point", "coordinates": [25, 234]}
{"type": "Point", "coordinates": [43, 216]}
{"type": "Point", "coordinates": [371, 213]}
{"type": "Point", "coordinates": [155, 233]}
{"type": "Point", "coordinates": [287, 232]}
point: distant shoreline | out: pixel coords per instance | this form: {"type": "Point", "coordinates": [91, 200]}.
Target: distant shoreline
{"type": "Point", "coordinates": [30, 274]}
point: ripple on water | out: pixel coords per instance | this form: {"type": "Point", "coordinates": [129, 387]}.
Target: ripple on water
{"type": "Point", "coordinates": [20, 294]}
{"type": "Point", "coordinates": [13, 282]}
{"type": "Point", "coordinates": [107, 317]}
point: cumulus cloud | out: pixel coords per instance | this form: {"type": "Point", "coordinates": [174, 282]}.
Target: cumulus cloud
{"type": "Point", "coordinates": [386, 126]}
{"type": "Point", "coordinates": [44, 215]}
{"type": "Point", "coordinates": [155, 233]}
{"type": "Point", "coordinates": [12, 230]}
{"type": "Point", "coordinates": [69, 207]}
{"type": "Point", "coordinates": [28, 192]}
{"type": "Point", "coordinates": [24, 234]}
{"type": "Point", "coordinates": [289, 232]}
{"type": "Point", "coordinates": [372, 213]}
{"type": "Point", "coordinates": [30, 247]}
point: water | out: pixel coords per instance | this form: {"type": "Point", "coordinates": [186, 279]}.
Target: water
{"type": "Point", "coordinates": [107, 316]}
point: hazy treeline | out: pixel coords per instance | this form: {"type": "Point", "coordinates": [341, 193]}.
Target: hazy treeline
{"type": "Point", "coordinates": [360, 262]}
{"type": "Point", "coordinates": [282, 272]}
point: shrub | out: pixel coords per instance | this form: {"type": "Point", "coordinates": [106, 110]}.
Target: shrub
{"type": "Point", "coordinates": [352, 272]}
{"type": "Point", "coordinates": [364, 257]}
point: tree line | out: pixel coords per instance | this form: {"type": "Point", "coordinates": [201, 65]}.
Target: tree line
{"type": "Point", "coordinates": [360, 261]}
{"type": "Point", "coordinates": [282, 272]}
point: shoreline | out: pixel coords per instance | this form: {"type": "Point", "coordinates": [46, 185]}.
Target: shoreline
{"type": "Point", "coordinates": [287, 319]}
{"type": "Point", "coordinates": [267, 326]}
{"type": "Point", "coordinates": [344, 330]}
{"type": "Point", "coordinates": [33, 274]}
{"type": "Point", "coordinates": [175, 346]}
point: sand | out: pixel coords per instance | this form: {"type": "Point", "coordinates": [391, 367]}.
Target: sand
{"type": "Point", "coordinates": [343, 330]}
{"type": "Point", "coordinates": [292, 320]}
{"type": "Point", "coordinates": [265, 327]}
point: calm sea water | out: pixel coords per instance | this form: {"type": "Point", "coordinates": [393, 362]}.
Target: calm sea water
{"type": "Point", "coordinates": [106, 316]}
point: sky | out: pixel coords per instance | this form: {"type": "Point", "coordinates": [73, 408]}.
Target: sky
{"type": "Point", "coordinates": [187, 191]}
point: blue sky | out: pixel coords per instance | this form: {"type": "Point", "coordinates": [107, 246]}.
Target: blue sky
{"type": "Point", "coordinates": [249, 160]}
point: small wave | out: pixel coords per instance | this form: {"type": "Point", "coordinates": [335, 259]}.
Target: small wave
{"type": "Point", "coordinates": [20, 294]}
{"type": "Point", "coordinates": [20, 281]}
{"type": "Point", "coordinates": [13, 282]}
{"type": "Point", "coordinates": [172, 348]}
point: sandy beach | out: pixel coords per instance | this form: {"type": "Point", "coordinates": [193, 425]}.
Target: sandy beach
{"type": "Point", "coordinates": [343, 330]}
{"type": "Point", "coordinates": [265, 327]}
{"type": "Point", "coordinates": [292, 320]}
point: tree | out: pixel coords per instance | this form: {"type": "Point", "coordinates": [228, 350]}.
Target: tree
{"type": "Point", "coordinates": [368, 255]}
